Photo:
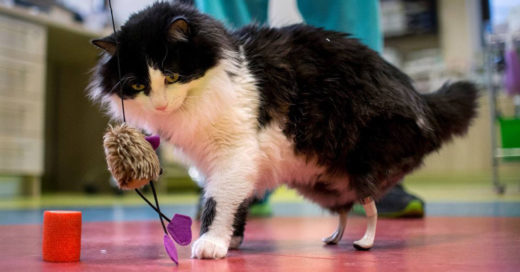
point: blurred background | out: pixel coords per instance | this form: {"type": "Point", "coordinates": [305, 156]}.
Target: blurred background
{"type": "Point", "coordinates": [51, 135]}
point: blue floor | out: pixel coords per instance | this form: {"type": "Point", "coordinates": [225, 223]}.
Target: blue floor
{"type": "Point", "coordinates": [141, 213]}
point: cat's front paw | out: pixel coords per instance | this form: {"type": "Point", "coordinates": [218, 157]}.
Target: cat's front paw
{"type": "Point", "coordinates": [209, 247]}
{"type": "Point", "coordinates": [236, 241]}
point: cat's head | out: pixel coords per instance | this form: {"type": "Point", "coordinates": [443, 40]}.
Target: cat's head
{"type": "Point", "coordinates": [162, 50]}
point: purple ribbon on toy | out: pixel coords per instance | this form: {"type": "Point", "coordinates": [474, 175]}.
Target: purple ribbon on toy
{"type": "Point", "coordinates": [154, 140]}
{"type": "Point", "coordinates": [179, 229]}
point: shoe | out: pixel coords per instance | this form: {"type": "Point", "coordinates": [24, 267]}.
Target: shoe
{"type": "Point", "coordinates": [397, 203]}
{"type": "Point", "coordinates": [260, 207]}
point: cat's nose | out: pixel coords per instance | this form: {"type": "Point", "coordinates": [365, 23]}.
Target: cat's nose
{"type": "Point", "coordinates": [162, 107]}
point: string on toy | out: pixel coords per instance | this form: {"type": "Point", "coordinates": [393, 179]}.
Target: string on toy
{"type": "Point", "coordinates": [157, 204]}
{"type": "Point", "coordinates": [156, 207]}
{"type": "Point", "coordinates": [151, 205]}
{"type": "Point", "coordinates": [117, 57]}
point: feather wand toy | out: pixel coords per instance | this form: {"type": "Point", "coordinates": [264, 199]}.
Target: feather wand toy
{"type": "Point", "coordinates": [133, 162]}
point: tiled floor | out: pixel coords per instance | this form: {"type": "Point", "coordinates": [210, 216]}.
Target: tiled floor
{"type": "Point", "coordinates": [286, 244]}
{"type": "Point", "coordinates": [468, 228]}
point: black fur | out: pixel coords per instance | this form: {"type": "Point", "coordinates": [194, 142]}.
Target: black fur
{"type": "Point", "coordinates": [453, 107]}
{"type": "Point", "coordinates": [187, 2]}
{"type": "Point", "coordinates": [347, 107]}
{"type": "Point", "coordinates": [208, 214]}
{"type": "Point", "coordinates": [342, 208]}
{"type": "Point", "coordinates": [143, 41]}
{"type": "Point", "coordinates": [239, 222]}
{"type": "Point", "coordinates": [337, 100]}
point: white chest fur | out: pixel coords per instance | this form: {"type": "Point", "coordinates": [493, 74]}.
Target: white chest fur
{"type": "Point", "coordinates": [279, 163]}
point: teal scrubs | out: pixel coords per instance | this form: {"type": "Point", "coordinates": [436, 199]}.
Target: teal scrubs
{"type": "Point", "coordinates": [357, 17]}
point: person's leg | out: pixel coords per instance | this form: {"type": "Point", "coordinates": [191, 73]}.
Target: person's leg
{"type": "Point", "coordinates": [260, 207]}
{"type": "Point", "coordinates": [398, 203]}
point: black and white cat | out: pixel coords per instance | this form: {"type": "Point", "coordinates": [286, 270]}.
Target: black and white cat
{"type": "Point", "coordinates": [258, 107]}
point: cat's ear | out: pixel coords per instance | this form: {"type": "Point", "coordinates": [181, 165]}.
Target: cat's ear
{"type": "Point", "coordinates": [179, 29]}
{"type": "Point", "coordinates": [107, 43]}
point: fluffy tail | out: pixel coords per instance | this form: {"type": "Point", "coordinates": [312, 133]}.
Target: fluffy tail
{"type": "Point", "coordinates": [453, 106]}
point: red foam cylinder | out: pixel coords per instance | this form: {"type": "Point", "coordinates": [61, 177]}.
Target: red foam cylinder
{"type": "Point", "coordinates": [61, 236]}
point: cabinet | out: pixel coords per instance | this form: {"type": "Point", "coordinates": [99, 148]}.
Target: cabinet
{"type": "Point", "coordinates": [22, 100]}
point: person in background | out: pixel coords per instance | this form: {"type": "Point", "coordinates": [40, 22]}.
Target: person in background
{"type": "Point", "coordinates": [358, 18]}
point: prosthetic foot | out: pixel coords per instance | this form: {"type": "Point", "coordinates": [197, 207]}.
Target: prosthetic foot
{"type": "Point", "coordinates": [338, 234]}
{"type": "Point", "coordinates": [367, 241]}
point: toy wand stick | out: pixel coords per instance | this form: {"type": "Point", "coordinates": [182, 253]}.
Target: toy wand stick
{"type": "Point", "coordinates": [151, 205]}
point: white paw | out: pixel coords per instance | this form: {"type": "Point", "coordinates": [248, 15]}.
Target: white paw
{"type": "Point", "coordinates": [236, 241]}
{"type": "Point", "coordinates": [209, 247]}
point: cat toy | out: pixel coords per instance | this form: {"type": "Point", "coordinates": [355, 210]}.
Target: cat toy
{"type": "Point", "coordinates": [133, 162]}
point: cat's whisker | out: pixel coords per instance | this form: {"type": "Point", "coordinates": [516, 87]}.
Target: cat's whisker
{"type": "Point", "coordinates": [122, 81]}
{"type": "Point", "coordinates": [165, 56]}
{"type": "Point", "coordinates": [114, 87]}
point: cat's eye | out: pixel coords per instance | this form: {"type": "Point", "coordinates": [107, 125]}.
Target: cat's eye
{"type": "Point", "coordinates": [172, 78]}
{"type": "Point", "coordinates": [138, 87]}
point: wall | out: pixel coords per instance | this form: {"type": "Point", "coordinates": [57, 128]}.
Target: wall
{"type": "Point", "coordinates": [74, 156]}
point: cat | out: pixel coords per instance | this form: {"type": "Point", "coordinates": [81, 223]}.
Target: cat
{"type": "Point", "coordinates": [258, 107]}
